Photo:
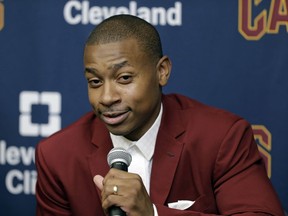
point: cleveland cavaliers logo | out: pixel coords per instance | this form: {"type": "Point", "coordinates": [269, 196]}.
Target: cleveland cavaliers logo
{"type": "Point", "coordinates": [254, 21]}
{"type": "Point", "coordinates": [1, 15]}
{"type": "Point", "coordinates": [263, 138]}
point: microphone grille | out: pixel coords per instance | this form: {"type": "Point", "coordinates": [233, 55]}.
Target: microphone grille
{"type": "Point", "coordinates": [120, 155]}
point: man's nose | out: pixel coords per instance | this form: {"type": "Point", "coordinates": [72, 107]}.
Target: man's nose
{"type": "Point", "coordinates": [109, 94]}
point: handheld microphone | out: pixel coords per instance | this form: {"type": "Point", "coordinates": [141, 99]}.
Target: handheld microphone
{"type": "Point", "coordinates": [118, 158]}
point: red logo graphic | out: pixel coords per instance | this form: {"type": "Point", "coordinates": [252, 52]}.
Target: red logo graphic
{"type": "Point", "coordinates": [263, 138]}
{"type": "Point", "coordinates": [253, 26]}
{"type": "Point", "coordinates": [1, 16]}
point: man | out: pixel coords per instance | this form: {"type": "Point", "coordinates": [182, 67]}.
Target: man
{"type": "Point", "coordinates": [187, 158]}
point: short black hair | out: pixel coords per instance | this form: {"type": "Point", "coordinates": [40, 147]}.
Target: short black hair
{"type": "Point", "coordinates": [121, 27]}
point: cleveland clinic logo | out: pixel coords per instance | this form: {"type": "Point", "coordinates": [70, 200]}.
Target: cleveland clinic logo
{"type": "Point", "coordinates": [1, 15]}
{"type": "Point", "coordinates": [28, 99]}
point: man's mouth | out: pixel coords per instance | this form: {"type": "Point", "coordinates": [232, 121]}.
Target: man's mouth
{"type": "Point", "coordinates": [114, 117]}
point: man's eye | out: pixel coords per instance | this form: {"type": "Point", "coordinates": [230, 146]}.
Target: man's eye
{"type": "Point", "coordinates": [94, 83]}
{"type": "Point", "coordinates": [125, 79]}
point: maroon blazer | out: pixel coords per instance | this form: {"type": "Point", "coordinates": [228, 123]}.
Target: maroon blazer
{"type": "Point", "coordinates": [202, 154]}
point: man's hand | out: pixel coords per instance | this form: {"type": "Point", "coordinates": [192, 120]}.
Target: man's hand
{"type": "Point", "coordinates": [131, 196]}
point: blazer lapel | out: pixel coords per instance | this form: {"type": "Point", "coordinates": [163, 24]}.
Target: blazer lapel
{"type": "Point", "coordinates": [102, 144]}
{"type": "Point", "coordinates": [166, 158]}
{"type": "Point", "coordinates": [167, 153]}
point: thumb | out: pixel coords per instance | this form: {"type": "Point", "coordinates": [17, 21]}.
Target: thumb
{"type": "Point", "coordinates": [98, 180]}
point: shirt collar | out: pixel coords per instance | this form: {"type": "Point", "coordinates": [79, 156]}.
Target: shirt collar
{"type": "Point", "coordinates": [146, 144]}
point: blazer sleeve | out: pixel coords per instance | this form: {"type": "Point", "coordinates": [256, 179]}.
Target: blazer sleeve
{"type": "Point", "coordinates": [49, 195]}
{"type": "Point", "coordinates": [240, 182]}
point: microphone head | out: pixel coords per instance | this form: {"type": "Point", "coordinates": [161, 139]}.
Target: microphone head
{"type": "Point", "coordinates": [118, 154]}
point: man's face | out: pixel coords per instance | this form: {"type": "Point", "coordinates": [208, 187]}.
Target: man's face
{"type": "Point", "coordinates": [123, 87]}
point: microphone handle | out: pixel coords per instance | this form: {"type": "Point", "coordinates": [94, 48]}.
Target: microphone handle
{"type": "Point", "coordinates": [120, 166]}
{"type": "Point", "coordinates": [115, 210]}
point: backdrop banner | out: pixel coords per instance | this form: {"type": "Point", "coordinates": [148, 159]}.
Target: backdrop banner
{"type": "Point", "coordinates": [228, 54]}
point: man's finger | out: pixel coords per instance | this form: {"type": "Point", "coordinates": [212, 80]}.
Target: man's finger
{"type": "Point", "coordinates": [115, 173]}
{"type": "Point", "coordinates": [98, 180]}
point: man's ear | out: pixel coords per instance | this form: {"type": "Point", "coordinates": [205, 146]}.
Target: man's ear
{"type": "Point", "coordinates": [164, 66]}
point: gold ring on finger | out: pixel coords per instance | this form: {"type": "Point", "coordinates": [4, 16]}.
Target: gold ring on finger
{"type": "Point", "coordinates": [115, 189]}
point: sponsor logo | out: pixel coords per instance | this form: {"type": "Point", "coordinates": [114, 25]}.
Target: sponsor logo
{"type": "Point", "coordinates": [263, 138]}
{"type": "Point", "coordinates": [26, 181]}
{"type": "Point", "coordinates": [81, 12]}
{"type": "Point", "coordinates": [29, 98]}
{"type": "Point", "coordinates": [18, 181]}
{"type": "Point", "coordinates": [23, 181]}
{"type": "Point", "coordinates": [1, 15]}
{"type": "Point", "coordinates": [254, 25]}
